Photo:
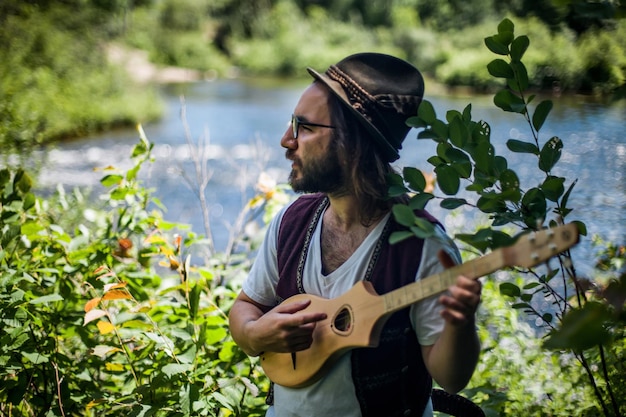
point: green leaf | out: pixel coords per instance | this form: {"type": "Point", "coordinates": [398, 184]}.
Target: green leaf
{"type": "Point", "coordinates": [423, 228]}
{"type": "Point", "coordinates": [442, 150]}
{"type": "Point", "coordinates": [419, 201]}
{"type": "Point", "coordinates": [29, 201]}
{"type": "Point", "coordinates": [403, 214]}
{"type": "Point", "coordinates": [459, 133]}
{"type": "Point", "coordinates": [509, 180]}
{"type": "Point", "coordinates": [541, 113]}
{"type": "Point", "coordinates": [397, 190]}
{"type": "Point", "coordinates": [496, 45]}
{"type": "Point", "coordinates": [448, 179]}
{"type": "Point", "coordinates": [553, 188]}
{"type": "Point", "coordinates": [452, 203]}
{"type": "Point", "coordinates": [175, 368]}
{"type": "Point", "coordinates": [491, 203]}
{"type": "Point", "coordinates": [467, 113]}
{"type": "Point", "coordinates": [521, 76]}
{"type": "Point", "coordinates": [505, 26]}
{"type": "Point", "coordinates": [550, 154]}
{"type": "Point", "coordinates": [428, 134]}
{"type": "Point", "coordinates": [508, 101]}
{"type": "Point", "coordinates": [131, 174]}
{"type": "Point", "coordinates": [510, 289]}
{"type": "Point", "coordinates": [399, 236]}
{"type": "Point", "coordinates": [484, 156]}
{"type": "Point", "coordinates": [441, 130]}
{"type": "Point", "coordinates": [435, 160]}
{"type": "Point", "coordinates": [110, 180]}
{"type": "Point", "coordinates": [35, 357]}
{"type": "Point", "coordinates": [22, 181]}
{"type": "Point", "coordinates": [426, 112]}
{"type": "Point", "coordinates": [415, 121]}
{"type": "Point", "coordinates": [519, 146]}
{"type": "Point", "coordinates": [499, 68]}
{"type": "Point", "coordinates": [46, 299]}
{"type": "Point", "coordinates": [453, 114]}
{"type": "Point", "coordinates": [5, 176]}
{"type": "Point", "coordinates": [460, 162]}
{"type": "Point", "coordinates": [519, 47]}
{"type": "Point", "coordinates": [534, 206]}
{"type": "Point", "coordinates": [415, 178]}
{"type": "Point", "coordinates": [565, 198]}
{"type": "Point", "coordinates": [582, 328]}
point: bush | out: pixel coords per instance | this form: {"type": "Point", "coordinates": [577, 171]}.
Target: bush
{"type": "Point", "coordinates": [93, 325]}
{"type": "Point", "coordinates": [58, 84]}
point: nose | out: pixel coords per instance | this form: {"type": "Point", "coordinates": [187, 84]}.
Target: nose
{"type": "Point", "coordinates": [287, 141]}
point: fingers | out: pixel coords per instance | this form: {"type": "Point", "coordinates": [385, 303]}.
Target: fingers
{"type": "Point", "coordinates": [445, 259]}
{"type": "Point", "coordinates": [303, 319]}
{"type": "Point", "coordinates": [287, 327]}
{"type": "Point", "coordinates": [461, 301]}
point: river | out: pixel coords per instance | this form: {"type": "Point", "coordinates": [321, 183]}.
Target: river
{"type": "Point", "coordinates": [242, 123]}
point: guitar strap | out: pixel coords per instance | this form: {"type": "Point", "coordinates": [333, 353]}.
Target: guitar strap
{"type": "Point", "coordinates": [392, 378]}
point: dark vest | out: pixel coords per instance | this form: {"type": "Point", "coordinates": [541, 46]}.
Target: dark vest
{"type": "Point", "coordinates": [391, 379]}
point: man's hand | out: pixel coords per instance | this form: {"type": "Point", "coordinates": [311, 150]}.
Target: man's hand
{"type": "Point", "coordinates": [285, 328]}
{"type": "Point", "coordinates": [462, 299]}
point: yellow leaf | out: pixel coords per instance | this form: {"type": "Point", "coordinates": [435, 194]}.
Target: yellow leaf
{"type": "Point", "coordinates": [92, 303]}
{"type": "Point", "coordinates": [166, 251]}
{"type": "Point", "coordinates": [115, 367]}
{"type": "Point", "coordinates": [94, 315]}
{"type": "Point", "coordinates": [154, 239]}
{"type": "Point", "coordinates": [109, 287]}
{"type": "Point", "coordinates": [94, 403]}
{"type": "Point", "coordinates": [105, 327]}
{"type": "Point", "coordinates": [116, 295]}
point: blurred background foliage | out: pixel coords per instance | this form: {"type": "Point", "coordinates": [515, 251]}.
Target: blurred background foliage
{"type": "Point", "coordinates": [56, 81]}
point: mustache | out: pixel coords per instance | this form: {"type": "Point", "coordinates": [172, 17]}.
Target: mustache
{"type": "Point", "coordinates": [290, 155]}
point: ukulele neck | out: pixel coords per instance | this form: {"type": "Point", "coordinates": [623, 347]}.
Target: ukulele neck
{"type": "Point", "coordinates": [434, 284]}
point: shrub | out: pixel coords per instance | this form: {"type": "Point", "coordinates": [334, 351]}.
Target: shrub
{"type": "Point", "coordinates": [92, 325]}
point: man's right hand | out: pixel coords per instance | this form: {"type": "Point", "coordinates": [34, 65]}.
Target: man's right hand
{"type": "Point", "coordinates": [285, 328]}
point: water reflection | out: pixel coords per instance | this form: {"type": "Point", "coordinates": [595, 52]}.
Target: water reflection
{"type": "Point", "coordinates": [243, 122]}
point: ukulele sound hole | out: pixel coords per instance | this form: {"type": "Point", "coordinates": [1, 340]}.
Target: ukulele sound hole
{"type": "Point", "coordinates": [342, 323]}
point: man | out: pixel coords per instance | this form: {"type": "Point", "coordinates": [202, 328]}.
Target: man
{"type": "Point", "coordinates": [345, 131]}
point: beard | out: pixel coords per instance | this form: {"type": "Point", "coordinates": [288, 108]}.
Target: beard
{"type": "Point", "coordinates": [323, 174]}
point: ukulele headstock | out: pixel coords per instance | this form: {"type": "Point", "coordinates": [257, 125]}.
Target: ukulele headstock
{"type": "Point", "coordinates": [536, 247]}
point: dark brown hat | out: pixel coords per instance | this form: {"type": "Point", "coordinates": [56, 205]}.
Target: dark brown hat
{"type": "Point", "coordinates": [382, 91]}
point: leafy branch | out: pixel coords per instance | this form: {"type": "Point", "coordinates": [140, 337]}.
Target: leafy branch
{"type": "Point", "coordinates": [466, 157]}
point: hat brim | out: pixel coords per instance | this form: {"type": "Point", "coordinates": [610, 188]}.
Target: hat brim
{"type": "Point", "coordinates": [390, 152]}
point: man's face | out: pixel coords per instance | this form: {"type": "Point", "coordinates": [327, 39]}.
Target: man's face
{"type": "Point", "coordinates": [316, 166]}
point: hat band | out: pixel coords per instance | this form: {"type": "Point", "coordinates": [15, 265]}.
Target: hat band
{"type": "Point", "coordinates": [361, 100]}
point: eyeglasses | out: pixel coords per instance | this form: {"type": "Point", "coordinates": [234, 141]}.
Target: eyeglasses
{"type": "Point", "coordinates": [296, 123]}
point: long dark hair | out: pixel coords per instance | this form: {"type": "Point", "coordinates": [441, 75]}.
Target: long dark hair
{"type": "Point", "coordinates": [365, 169]}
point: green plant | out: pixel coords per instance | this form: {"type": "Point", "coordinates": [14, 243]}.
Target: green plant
{"type": "Point", "coordinates": [465, 154]}
{"type": "Point", "coordinates": [92, 324]}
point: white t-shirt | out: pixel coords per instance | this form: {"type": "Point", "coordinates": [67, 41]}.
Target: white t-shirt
{"type": "Point", "coordinates": [334, 394]}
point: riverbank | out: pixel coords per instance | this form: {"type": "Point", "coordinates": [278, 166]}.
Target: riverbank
{"type": "Point", "coordinates": [137, 65]}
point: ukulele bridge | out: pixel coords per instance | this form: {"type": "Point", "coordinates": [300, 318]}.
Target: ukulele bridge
{"type": "Point", "coordinates": [342, 321]}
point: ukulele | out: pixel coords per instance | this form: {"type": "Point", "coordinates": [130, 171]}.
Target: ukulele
{"type": "Point", "coordinates": [355, 319]}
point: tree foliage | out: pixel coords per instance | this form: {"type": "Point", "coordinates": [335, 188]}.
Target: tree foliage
{"type": "Point", "coordinates": [580, 316]}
